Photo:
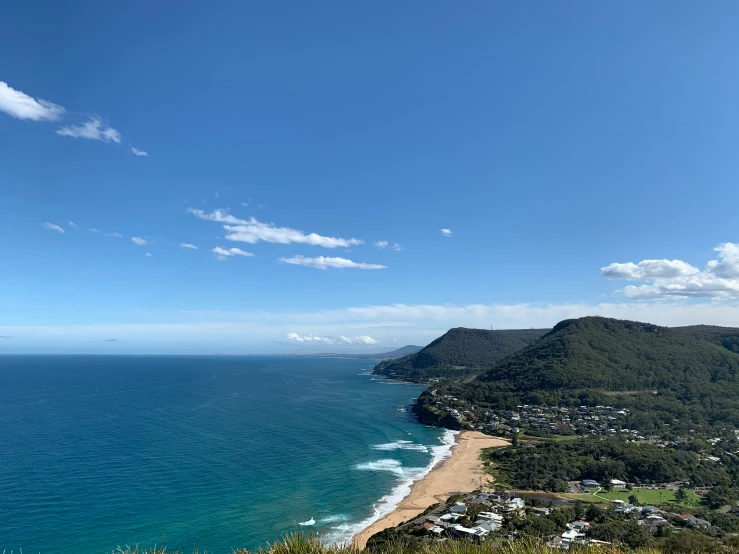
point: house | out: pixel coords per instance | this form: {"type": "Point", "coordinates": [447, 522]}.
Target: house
{"type": "Point", "coordinates": [590, 483]}
{"type": "Point", "coordinates": [618, 484]}
{"type": "Point", "coordinates": [490, 516]}
{"type": "Point", "coordinates": [515, 504]}
{"type": "Point", "coordinates": [541, 511]}
{"type": "Point", "coordinates": [579, 526]}
{"type": "Point", "coordinates": [698, 522]}
{"type": "Point", "coordinates": [426, 527]}
{"type": "Point", "coordinates": [654, 520]}
{"type": "Point", "coordinates": [458, 508]}
{"type": "Point", "coordinates": [625, 509]}
{"type": "Point", "coordinates": [488, 525]}
{"type": "Point", "coordinates": [479, 502]}
{"type": "Point", "coordinates": [476, 534]}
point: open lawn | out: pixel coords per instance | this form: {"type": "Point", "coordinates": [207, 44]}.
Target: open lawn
{"type": "Point", "coordinates": [648, 496]}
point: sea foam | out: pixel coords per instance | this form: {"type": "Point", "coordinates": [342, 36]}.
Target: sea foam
{"type": "Point", "coordinates": [342, 534]}
{"type": "Point", "coordinates": [401, 445]}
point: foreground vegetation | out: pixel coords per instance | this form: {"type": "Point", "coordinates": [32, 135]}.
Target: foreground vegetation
{"type": "Point", "coordinates": [298, 543]}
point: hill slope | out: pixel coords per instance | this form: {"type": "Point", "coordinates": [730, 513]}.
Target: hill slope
{"type": "Point", "coordinates": [459, 353]}
{"type": "Point", "coordinates": [670, 378]}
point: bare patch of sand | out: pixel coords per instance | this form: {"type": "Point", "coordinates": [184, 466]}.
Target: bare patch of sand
{"type": "Point", "coordinates": [461, 472]}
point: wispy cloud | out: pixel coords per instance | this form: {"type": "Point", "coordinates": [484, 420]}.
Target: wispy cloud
{"type": "Point", "coordinates": [253, 231]}
{"type": "Point", "coordinates": [52, 227]}
{"type": "Point", "coordinates": [679, 279]}
{"type": "Point", "coordinates": [93, 230]}
{"type": "Point", "coordinates": [116, 235]}
{"type": "Point", "coordinates": [446, 232]}
{"type": "Point", "coordinates": [381, 244]}
{"type": "Point", "coordinates": [72, 224]}
{"type": "Point", "coordinates": [148, 254]}
{"type": "Point", "coordinates": [22, 106]}
{"type": "Point", "coordinates": [94, 128]}
{"type": "Point", "coordinates": [256, 331]}
{"type": "Point", "coordinates": [137, 152]}
{"type": "Point", "coordinates": [188, 245]}
{"type": "Point", "coordinates": [111, 340]}
{"type": "Point", "coordinates": [397, 247]}
{"type": "Point", "coordinates": [316, 339]}
{"type": "Point", "coordinates": [138, 241]}
{"type": "Point", "coordinates": [324, 263]}
{"type": "Point", "coordinates": [223, 253]}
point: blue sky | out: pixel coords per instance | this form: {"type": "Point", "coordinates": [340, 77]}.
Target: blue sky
{"type": "Point", "coordinates": [582, 156]}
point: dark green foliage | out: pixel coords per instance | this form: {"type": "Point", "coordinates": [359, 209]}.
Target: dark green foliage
{"type": "Point", "coordinates": [627, 532]}
{"type": "Point", "coordinates": [459, 353]}
{"type": "Point", "coordinates": [550, 464]}
{"type": "Point", "coordinates": [689, 542]}
{"type": "Point", "coordinates": [672, 380]}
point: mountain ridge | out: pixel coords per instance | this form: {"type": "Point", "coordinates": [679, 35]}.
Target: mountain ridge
{"type": "Point", "coordinates": [459, 353]}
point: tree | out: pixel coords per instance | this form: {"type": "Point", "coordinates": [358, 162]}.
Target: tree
{"type": "Point", "coordinates": [690, 541]}
{"type": "Point", "coordinates": [514, 440]}
{"type": "Point", "coordinates": [595, 514]}
{"type": "Point", "coordinates": [636, 536]}
{"type": "Point", "coordinates": [633, 499]}
{"type": "Point", "coordinates": [579, 509]}
{"type": "Point", "coordinates": [681, 497]}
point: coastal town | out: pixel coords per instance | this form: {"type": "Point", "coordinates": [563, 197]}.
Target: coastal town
{"type": "Point", "coordinates": [560, 420]}
{"type": "Point", "coordinates": [494, 517]}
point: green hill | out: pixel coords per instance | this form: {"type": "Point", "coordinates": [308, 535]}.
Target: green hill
{"type": "Point", "coordinates": [670, 378]}
{"type": "Point", "coordinates": [459, 353]}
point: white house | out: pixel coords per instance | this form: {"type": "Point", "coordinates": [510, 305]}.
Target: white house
{"type": "Point", "coordinates": [618, 484]}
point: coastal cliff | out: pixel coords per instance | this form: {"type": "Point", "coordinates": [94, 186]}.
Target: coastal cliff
{"type": "Point", "coordinates": [435, 418]}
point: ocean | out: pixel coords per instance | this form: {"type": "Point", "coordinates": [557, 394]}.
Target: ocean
{"type": "Point", "coordinates": [214, 452]}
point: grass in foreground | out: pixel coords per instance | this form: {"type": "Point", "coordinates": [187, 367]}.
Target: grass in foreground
{"type": "Point", "coordinates": [301, 543]}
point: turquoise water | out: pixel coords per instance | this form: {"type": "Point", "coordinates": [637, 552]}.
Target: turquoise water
{"type": "Point", "coordinates": [213, 452]}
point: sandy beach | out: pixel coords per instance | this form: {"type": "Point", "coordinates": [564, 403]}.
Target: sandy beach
{"type": "Point", "coordinates": [461, 472]}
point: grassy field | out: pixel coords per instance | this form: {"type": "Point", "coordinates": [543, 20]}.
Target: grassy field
{"type": "Point", "coordinates": [644, 496]}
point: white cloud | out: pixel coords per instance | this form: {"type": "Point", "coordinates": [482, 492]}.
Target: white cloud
{"type": "Point", "coordinates": [138, 241]}
{"type": "Point", "coordinates": [137, 152]}
{"type": "Point", "coordinates": [52, 227]}
{"type": "Point", "coordinates": [316, 339]}
{"type": "Point", "coordinates": [256, 331]}
{"type": "Point", "coordinates": [188, 245]}
{"type": "Point", "coordinates": [446, 232]}
{"type": "Point", "coordinates": [322, 262]}
{"type": "Point", "coordinates": [93, 230]}
{"type": "Point", "coordinates": [253, 231]}
{"type": "Point", "coordinates": [313, 339]}
{"type": "Point", "coordinates": [22, 106]}
{"type": "Point", "coordinates": [363, 339]}
{"type": "Point", "coordinates": [219, 216]}
{"type": "Point", "coordinates": [679, 279]}
{"type": "Point", "coordinates": [148, 254]}
{"type": "Point", "coordinates": [397, 247]}
{"type": "Point", "coordinates": [72, 224]}
{"type": "Point", "coordinates": [381, 244]}
{"type": "Point", "coordinates": [223, 253]}
{"type": "Point", "coordinates": [116, 235]}
{"type": "Point", "coordinates": [94, 128]}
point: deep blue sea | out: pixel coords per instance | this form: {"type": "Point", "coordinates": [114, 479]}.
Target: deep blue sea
{"type": "Point", "coordinates": [213, 452]}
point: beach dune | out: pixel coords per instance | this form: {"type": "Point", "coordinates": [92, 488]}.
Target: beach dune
{"type": "Point", "coordinates": [461, 472]}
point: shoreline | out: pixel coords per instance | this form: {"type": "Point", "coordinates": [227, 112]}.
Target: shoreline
{"type": "Point", "coordinates": [460, 472]}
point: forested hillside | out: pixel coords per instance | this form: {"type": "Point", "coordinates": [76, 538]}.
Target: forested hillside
{"type": "Point", "coordinates": [669, 378]}
{"type": "Point", "coordinates": [459, 353]}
